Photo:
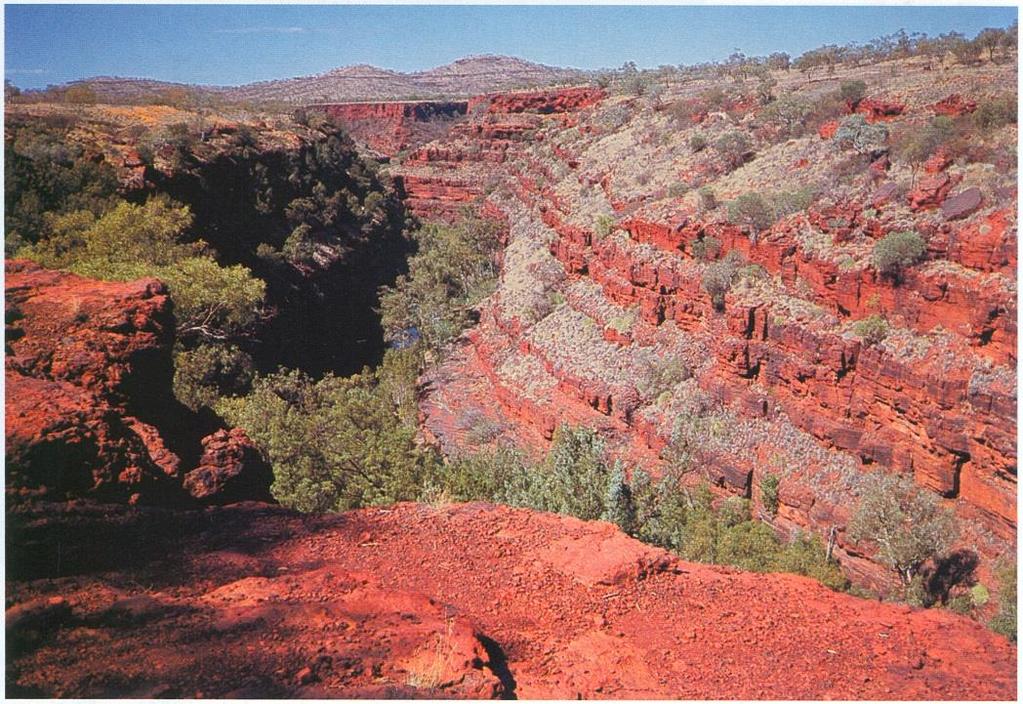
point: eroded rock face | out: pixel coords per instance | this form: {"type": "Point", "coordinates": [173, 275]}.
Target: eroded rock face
{"type": "Point", "coordinates": [954, 106]}
{"type": "Point", "coordinates": [390, 127]}
{"type": "Point", "coordinates": [469, 600]}
{"type": "Point", "coordinates": [78, 351]}
{"type": "Point", "coordinates": [230, 469]}
{"type": "Point", "coordinates": [89, 405]}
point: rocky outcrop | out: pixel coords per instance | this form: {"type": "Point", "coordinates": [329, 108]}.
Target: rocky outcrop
{"type": "Point", "coordinates": [541, 102]}
{"type": "Point", "coordinates": [953, 106]}
{"type": "Point", "coordinates": [878, 109]}
{"type": "Point", "coordinates": [230, 469]}
{"type": "Point", "coordinates": [89, 405]}
{"type": "Point", "coordinates": [469, 600]}
{"type": "Point", "coordinates": [77, 352]}
{"type": "Point", "coordinates": [388, 128]}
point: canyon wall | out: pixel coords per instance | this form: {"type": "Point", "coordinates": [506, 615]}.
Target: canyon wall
{"type": "Point", "coordinates": [583, 319]}
{"type": "Point", "coordinates": [388, 128]}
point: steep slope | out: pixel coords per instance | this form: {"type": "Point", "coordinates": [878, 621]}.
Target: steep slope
{"type": "Point", "coordinates": [587, 316]}
{"type": "Point", "coordinates": [452, 601]}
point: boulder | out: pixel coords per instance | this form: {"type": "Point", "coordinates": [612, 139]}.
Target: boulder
{"type": "Point", "coordinates": [828, 129]}
{"type": "Point", "coordinates": [962, 204]}
{"type": "Point", "coordinates": [885, 193]}
{"type": "Point", "coordinates": [230, 469]}
{"type": "Point", "coordinates": [930, 191]}
{"type": "Point", "coordinates": [877, 109]}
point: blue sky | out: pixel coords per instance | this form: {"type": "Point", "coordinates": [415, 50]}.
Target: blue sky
{"type": "Point", "coordinates": [234, 44]}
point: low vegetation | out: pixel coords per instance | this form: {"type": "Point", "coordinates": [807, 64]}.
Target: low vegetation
{"type": "Point", "coordinates": [872, 329]}
{"type": "Point", "coordinates": [897, 251]}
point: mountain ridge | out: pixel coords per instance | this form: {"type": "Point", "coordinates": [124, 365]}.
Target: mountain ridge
{"type": "Point", "coordinates": [465, 76]}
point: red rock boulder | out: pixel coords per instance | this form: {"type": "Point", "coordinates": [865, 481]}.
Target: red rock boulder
{"type": "Point", "coordinates": [876, 109]}
{"type": "Point", "coordinates": [930, 191]}
{"type": "Point", "coordinates": [962, 204]}
{"type": "Point", "coordinates": [828, 129]}
{"type": "Point", "coordinates": [230, 469]}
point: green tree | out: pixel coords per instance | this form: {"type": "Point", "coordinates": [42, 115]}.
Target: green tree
{"type": "Point", "coordinates": [769, 493]}
{"type": "Point", "coordinates": [454, 269]}
{"type": "Point", "coordinates": [907, 523]}
{"type": "Point", "coordinates": [753, 212]}
{"type": "Point", "coordinates": [212, 302]}
{"type": "Point", "coordinates": [618, 506]}
{"type": "Point", "coordinates": [915, 145]}
{"type": "Point", "coordinates": [206, 373]}
{"type": "Point", "coordinates": [718, 276]}
{"type": "Point", "coordinates": [790, 112]}
{"type": "Point", "coordinates": [334, 444]}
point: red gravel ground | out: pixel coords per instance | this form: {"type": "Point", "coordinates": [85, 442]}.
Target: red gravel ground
{"type": "Point", "coordinates": [444, 601]}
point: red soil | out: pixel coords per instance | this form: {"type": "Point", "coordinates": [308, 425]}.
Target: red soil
{"type": "Point", "coordinates": [454, 601]}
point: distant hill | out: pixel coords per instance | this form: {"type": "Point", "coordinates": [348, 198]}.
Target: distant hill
{"type": "Point", "coordinates": [468, 76]}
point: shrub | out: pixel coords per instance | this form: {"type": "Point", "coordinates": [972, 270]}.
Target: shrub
{"type": "Point", "coordinates": [697, 143]}
{"type": "Point", "coordinates": [480, 476]}
{"type": "Point", "coordinates": [204, 374]}
{"type": "Point", "coordinates": [618, 507]}
{"type": "Point", "coordinates": [664, 374]}
{"type": "Point", "coordinates": [576, 479]}
{"type": "Point", "coordinates": [706, 248]}
{"type": "Point", "coordinates": [996, 112]}
{"type": "Point", "coordinates": [1004, 621]}
{"type": "Point", "coordinates": [806, 555]}
{"type": "Point", "coordinates": [717, 280]}
{"type": "Point", "coordinates": [872, 329]}
{"type": "Point", "coordinates": [769, 493]}
{"type": "Point", "coordinates": [604, 226]}
{"type": "Point", "coordinates": [914, 145]}
{"type": "Point", "coordinates": [785, 203]}
{"type": "Point", "coordinates": [734, 148]}
{"type": "Point", "coordinates": [896, 251]}
{"type": "Point", "coordinates": [854, 132]}
{"type": "Point", "coordinates": [708, 201]}
{"type": "Point", "coordinates": [852, 92]}
{"type": "Point", "coordinates": [572, 479]}
{"type": "Point", "coordinates": [907, 523]}
{"type": "Point", "coordinates": [790, 113]}
{"type": "Point", "coordinates": [677, 190]}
